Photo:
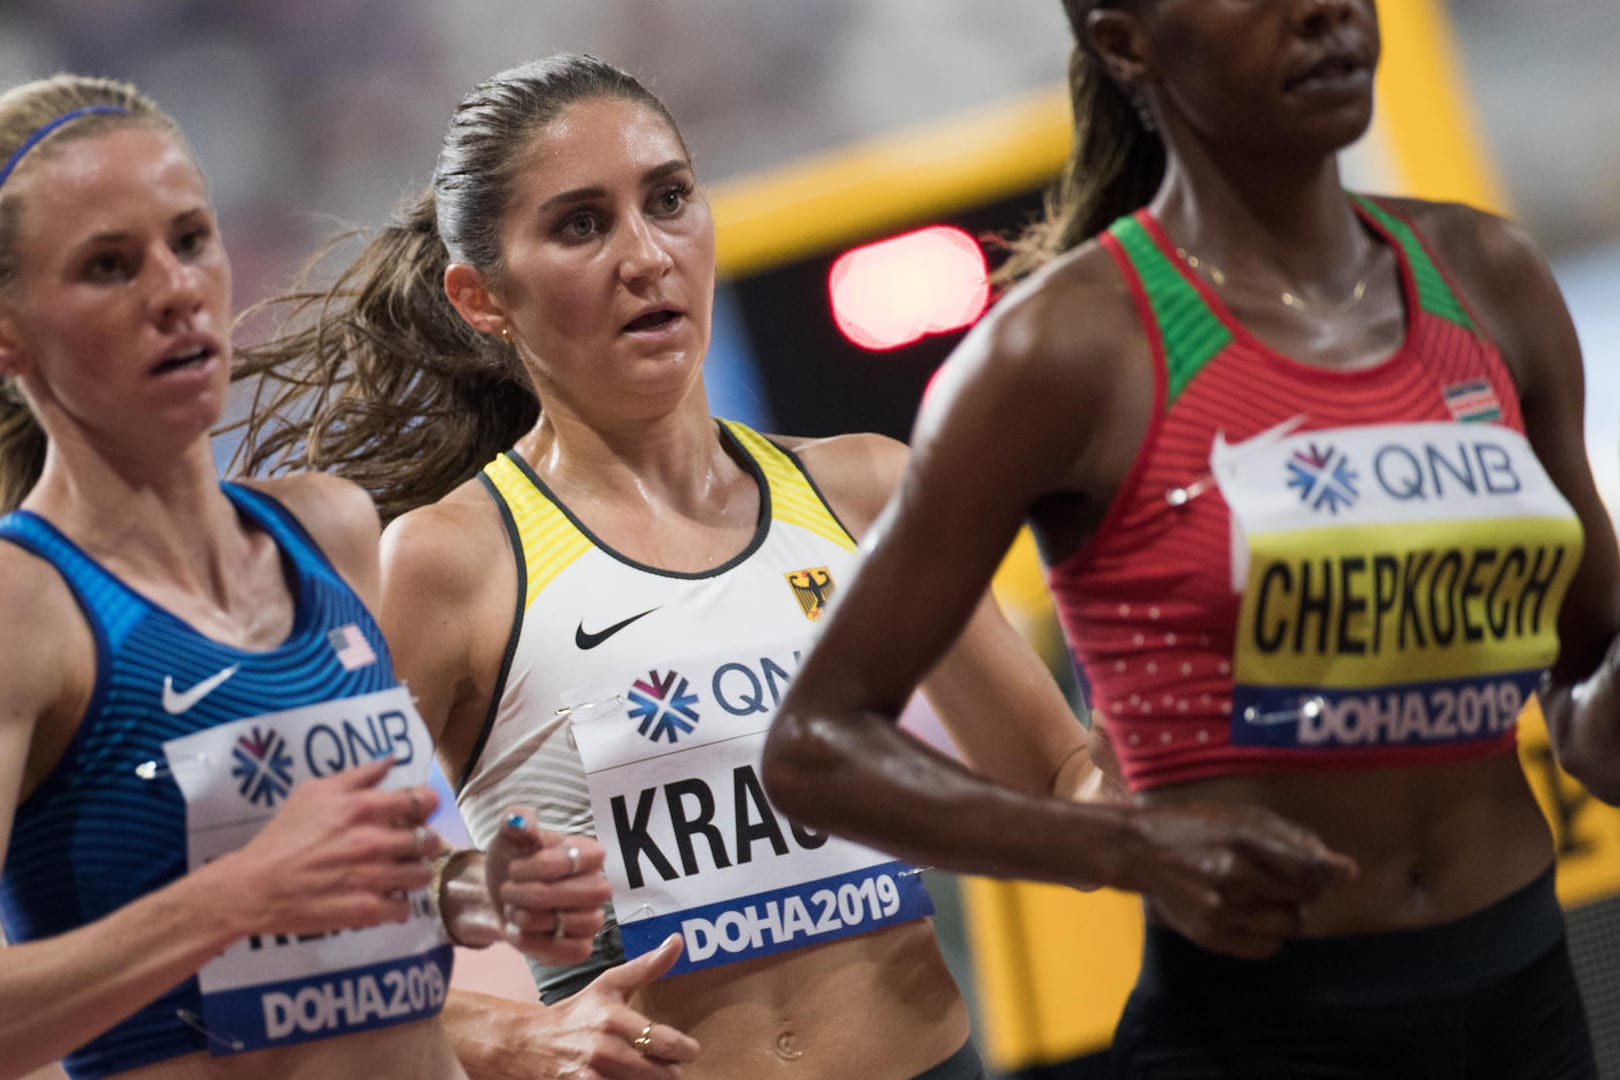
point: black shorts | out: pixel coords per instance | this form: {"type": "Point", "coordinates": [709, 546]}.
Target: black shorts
{"type": "Point", "coordinates": [1491, 996]}
{"type": "Point", "coordinates": [962, 1065]}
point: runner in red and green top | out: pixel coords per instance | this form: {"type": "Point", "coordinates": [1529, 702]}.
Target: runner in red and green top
{"type": "Point", "coordinates": [1308, 473]}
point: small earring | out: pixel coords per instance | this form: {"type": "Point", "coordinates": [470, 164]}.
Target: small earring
{"type": "Point", "coordinates": [1144, 113]}
{"type": "Point", "coordinates": [506, 333]}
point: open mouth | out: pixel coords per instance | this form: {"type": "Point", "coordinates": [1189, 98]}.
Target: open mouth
{"type": "Point", "coordinates": [192, 358]}
{"type": "Point", "coordinates": [1330, 71]}
{"type": "Point", "coordinates": [653, 320]}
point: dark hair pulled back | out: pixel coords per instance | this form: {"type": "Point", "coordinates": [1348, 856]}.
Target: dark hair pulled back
{"type": "Point", "coordinates": [377, 377]}
{"type": "Point", "coordinates": [1115, 165]}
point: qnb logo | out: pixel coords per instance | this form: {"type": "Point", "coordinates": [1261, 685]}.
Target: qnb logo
{"type": "Point", "coordinates": [1323, 478]}
{"type": "Point", "coordinates": [262, 766]}
{"type": "Point", "coordinates": [663, 706]}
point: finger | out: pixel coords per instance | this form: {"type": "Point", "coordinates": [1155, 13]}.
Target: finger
{"type": "Point", "coordinates": [365, 775]}
{"type": "Point", "coordinates": [518, 829]}
{"type": "Point", "coordinates": [1299, 857]}
{"type": "Point", "coordinates": [573, 856]}
{"type": "Point", "coordinates": [667, 1044]}
{"type": "Point", "coordinates": [647, 968]}
{"type": "Point", "coordinates": [411, 806]}
{"type": "Point", "coordinates": [574, 894]}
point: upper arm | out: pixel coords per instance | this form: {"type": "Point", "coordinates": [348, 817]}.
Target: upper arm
{"type": "Point", "coordinates": [1002, 427]}
{"type": "Point", "coordinates": [1513, 293]}
{"type": "Point", "coordinates": [441, 573]}
{"type": "Point", "coordinates": [44, 678]}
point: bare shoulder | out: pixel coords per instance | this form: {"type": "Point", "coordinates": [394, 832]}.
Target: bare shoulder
{"type": "Point", "coordinates": [445, 549]}
{"type": "Point", "coordinates": [337, 513]}
{"type": "Point", "coordinates": [1502, 276]}
{"type": "Point", "coordinates": [41, 634]}
{"type": "Point", "coordinates": [855, 473]}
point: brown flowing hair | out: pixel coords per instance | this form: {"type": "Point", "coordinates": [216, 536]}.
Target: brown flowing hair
{"type": "Point", "coordinates": [1116, 162]}
{"type": "Point", "coordinates": [377, 377]}
{"type": "Point", "coordinates": [24, 110]}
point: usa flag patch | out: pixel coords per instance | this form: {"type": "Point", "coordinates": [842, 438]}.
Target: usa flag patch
{"type": "Point", "coordinates": [1472, 401]}
{"type": "Point", "coordinates": [352, 648]}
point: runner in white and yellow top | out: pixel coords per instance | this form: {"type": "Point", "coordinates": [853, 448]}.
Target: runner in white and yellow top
{"type": "Point", "coordinates": [664, 683]}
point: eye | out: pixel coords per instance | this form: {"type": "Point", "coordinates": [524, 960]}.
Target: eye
{"type": "Point", "coordinates": [578, 226]}
{"type": "Point", "coordinates": [107, 266]}
{"type": "Point", "coordinates": [193, 241]}
{"type": "Point", "coordinates": [671, 199]}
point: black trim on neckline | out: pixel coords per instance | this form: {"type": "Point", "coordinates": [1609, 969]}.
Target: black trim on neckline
{"type": "Point", "coordinates": [499, 692]}
{"type": "Point", "coordinates": [762, 526]}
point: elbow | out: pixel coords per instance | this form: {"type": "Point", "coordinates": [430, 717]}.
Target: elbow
{"type": "Point", "coordinates": [1586, 750]}
{"type": "Point", "coordinates": [799, 763]}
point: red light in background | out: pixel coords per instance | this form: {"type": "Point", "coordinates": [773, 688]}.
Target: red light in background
{"type": "Point", "coordinates": [899, 290]}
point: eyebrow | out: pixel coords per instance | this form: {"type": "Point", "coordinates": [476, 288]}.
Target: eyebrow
{"type": "Point", "coordinates": [586, 194]}
{"type": "Point", "coordinates": [117, 235]}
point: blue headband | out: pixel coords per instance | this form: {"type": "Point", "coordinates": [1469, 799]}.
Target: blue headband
{"type": "Point", "coordinates": [39, 135]}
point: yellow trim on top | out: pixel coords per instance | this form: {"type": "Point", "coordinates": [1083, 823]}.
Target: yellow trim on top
{"type": "Point", "coordinates": [818, 204]}
{"type": "Point", "coordinates": [793, 500]}
{"type": "Point", "coordinates": [551, 543]}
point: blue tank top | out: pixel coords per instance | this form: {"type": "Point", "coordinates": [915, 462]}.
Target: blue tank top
{"type": "Point", "coordinates": [108, 824]}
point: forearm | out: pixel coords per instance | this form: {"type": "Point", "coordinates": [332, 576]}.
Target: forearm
{"type": "Point", "coordinates": [480, 1027]}
{"type": "Point", "coordinates": [58, 994]}
{"type": "Point", "coordinates": [1583, 722]}
{"type": "Point", "coordinates": [863, 778]}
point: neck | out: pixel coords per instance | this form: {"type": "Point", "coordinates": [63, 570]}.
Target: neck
{"type": "Point", "coordinates": [1278, 225]}
{"type": "Point", "coordinates": [674, 460]}
{"type": "Point", "coordinates": [151, 520]}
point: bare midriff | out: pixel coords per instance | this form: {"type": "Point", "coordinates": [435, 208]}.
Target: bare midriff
{"type": "Point", "coordinates": [1433, 843]}
{"type": "Point", "coordinates": [883, 999]}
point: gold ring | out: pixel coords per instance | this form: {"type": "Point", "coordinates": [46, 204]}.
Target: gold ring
{"type": "Point", "coordinates": [643, 1042]}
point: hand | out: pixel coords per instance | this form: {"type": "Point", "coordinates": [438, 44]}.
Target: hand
{"type": "Point", "coordinates": [1234, 879]}
{"type": "Point", "coordinates": [592, 1035]}
{"type": "Point", "coordinates": [547, 888]}
{"type": "Point", "coordinates": [339, 855]}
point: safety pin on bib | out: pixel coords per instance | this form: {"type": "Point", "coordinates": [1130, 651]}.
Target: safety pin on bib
{"type": "Point", "coordinates": [1181, 496]}
{"type": "Point", "coordinates": [1310, 709]}
{"type": "Point", "coordinates": [151, 770]}
{"type": "Point", "coordinates": [564, 710]}
{"type": "Point", "coordinates": [195, 1023]}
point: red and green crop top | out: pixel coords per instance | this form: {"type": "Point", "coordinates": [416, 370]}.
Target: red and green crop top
{"type": "Point", "coordinates": [1310, 568]}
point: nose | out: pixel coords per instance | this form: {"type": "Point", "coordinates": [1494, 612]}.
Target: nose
{"type": "Point", "coordinates": [1317, 17]}
{"type": "Point", "coordinates": [645, 256]}
{"type": "Point", "coordinates": [176, 288]}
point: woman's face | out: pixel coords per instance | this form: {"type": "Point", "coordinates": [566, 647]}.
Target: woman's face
{"type": "Point", "coordinates": [118, 324]}
{"type": "Point", "coordinates": [1264, 74]}
{"type": "Point", "coordinates": [608, 282]}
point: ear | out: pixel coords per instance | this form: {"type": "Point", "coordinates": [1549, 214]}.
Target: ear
{"type": "Point", "coordinates": [13, 360]}
{"type": "Point", "coordinates": [1117, 38]}
{"type": "Point", "coordinates": [471, 296]}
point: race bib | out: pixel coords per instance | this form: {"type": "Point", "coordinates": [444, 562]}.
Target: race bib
{"type": "Point", "coordinates": [1400, 583]}
{"type": "Point", "coordinates": [672, 755]}
{"type": "Point", "coordinates": [277, 990]}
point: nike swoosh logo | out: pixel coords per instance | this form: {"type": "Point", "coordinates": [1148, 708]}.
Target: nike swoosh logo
{"type": "Point", "coordinates": [586, 640]}
{"type": "Point", "coordinates": [1259, 441]}
{"type": "Point", "coordinates": [176, 703]}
